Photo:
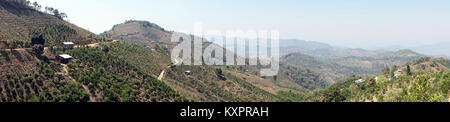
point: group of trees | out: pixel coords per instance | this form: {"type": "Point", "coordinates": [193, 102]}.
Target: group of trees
{"type": "Point", "coordinates": [415, 87]}
{"type": "Point", "coordinates": [306, 78]}
{"type": "Point", "coordinates": [55, 34]}
{"type": "Point", "coordinates": [38, 45]}
{"type": "Point", "coordinates": [13, 44]}
{"type": "Point", "coordinates": [390, 72]}
{"type": "Point", "coordinates": [35, 5]}
{"type": "Point", "coordinates": [41, 85]}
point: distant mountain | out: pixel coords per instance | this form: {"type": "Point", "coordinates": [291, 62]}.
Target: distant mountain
{"type": "Point", "coordinates": [332, 52]}
{"type": "Point", "coordinates": [322, 50]}
{"type": "Point", "coordinates": [437, 50]}
{"type": "Point", "coordinates": [433, 50]}
{"type": "Point", "coordinates": [292, 45]}
{"type": "Point", "coordinates": [314, 65]}
{"type": "Point", "coordinates": [310, 72]}
{"type": "Point", "coordinates": [333, 67]}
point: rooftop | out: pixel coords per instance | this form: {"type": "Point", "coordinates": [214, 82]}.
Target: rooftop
{"type": "Point", "coordinates": [359, 81]}
{"type": "Point", "coordinates": [68, 43]}
{"type": "Point", "coordinates": [65, 56]}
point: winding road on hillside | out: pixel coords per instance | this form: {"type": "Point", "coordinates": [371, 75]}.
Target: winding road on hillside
{"type": "Point", "coordinates": [161, 75]}
{"type": "Point", "coordinates": [93, 45]}
{"type": "Point", "coordinates": [65, 72]}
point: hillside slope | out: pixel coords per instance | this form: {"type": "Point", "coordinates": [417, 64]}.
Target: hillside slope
{"type": "Point", "coordinates": [330, 70]}
{"type": "Point", "coordinates": [20, 23]}
{"type": "Point", "coordinates": [34, 75]}
{"type": "Point", "coordinates": [206, 83]}
{"type": "Point", "coordinates": [93, 76]}
{"type": "Point", "coordinates": [140, 32]}
{"type": "Point", "coordinates": [427, 80]}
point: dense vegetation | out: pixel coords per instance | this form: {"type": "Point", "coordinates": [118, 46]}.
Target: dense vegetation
{"type": "Point", "coordinates": [55, 34]}
{"type": "Point", "coordinates": [111, 79]}
{"type": "Point", "coordinates": [22, 20]}
{"type": "Point", "coordinates": [28, 79]}
{"type": "Point", "coordinates": [93, 76]}
{"type": "Point", "coordinates": [205, 83]}
{"type": "Point", "coordinates": [151, 60]}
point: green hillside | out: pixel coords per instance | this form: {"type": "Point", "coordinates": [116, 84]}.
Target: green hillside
{"type": "Point", "coordinates": [205, 83]}
{"type": "Point", "coordinates": [20, 21]}
{"type": "Point", "coordinates": [426, 80]}
{"type": "Point", "coordinates": [34, 74]}
{"type": "Point", "coordinates": [312, 72]}
{"type": "Point", "coordinates": [93, 76]}
{"type": "Point", "coordinates": [140, 32]}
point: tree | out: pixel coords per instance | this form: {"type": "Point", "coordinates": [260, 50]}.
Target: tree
{"type": "Point", "coordinates": [219, 71]}
{"type": "Point", "coordinates": [105, 49]}
{"type": "Point", "coordinates": [39, 40]}
{"type": "Point", "coordinates": [21, 2]}
{"type": "Point", "coordinates": [62, 15]}
{"type": "Point", "coordinates": [386, 70]}
{"type": "Point", "coordinates": [408, 70]}
{"type": "Point", "coordinates": [38, 50]}
{"type": "Point", "coordinates": [37, 6]}
{"type": "Point", "coordinates": [38, 45]}
{"type": "Point", "coordinates": [393, 69]}
{"type": "Point", "coordinates": [9, 44]}
{"type": "Point", "coordinates": [220, 74]}
{"type": "Point", "coordinates": [56, 13]}
{"type": "Point", "coordinates": [49, 10]}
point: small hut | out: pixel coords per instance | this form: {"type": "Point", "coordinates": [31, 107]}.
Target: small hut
{"type": "Point", "coordinates": [188, 72]}
{"type": "Point", "coordinates": [64, 58]}
{"type": "Point", "coordinates": [68, 45]}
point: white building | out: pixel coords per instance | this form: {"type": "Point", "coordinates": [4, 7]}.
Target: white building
{"type": "Point", "coordinates": [68, 44]}
{"type": "Point", "coordinates": [359, 81]}
{"type": "Point", "coordinates": [64, 58]}
{"type": "Point", "coordinates": [187, 72]}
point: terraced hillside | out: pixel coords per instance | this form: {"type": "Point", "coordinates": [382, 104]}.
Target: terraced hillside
{"type": "Point", "coordinates": [33, 74]}
{"type": "Point", "coordinates": [205, 83]}
{"type": "Point", "coordinates": [93, 76]}
{"type": "Point", "coordinates": [140, 32]}
{"type": "Point", "coordinates": [20, 22]}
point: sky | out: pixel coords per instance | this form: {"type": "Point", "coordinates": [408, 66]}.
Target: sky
{"type": "Point", "coordinates": [348, 23]}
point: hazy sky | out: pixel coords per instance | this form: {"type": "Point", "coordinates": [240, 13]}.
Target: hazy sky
{"type": "Point", "coordinates": [351, 23]}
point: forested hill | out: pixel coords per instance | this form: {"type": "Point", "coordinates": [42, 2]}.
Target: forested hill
{"type": "Point", "coordinates": [140, 32]}
{"type": "Point", "coordinates": [21, 20]}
